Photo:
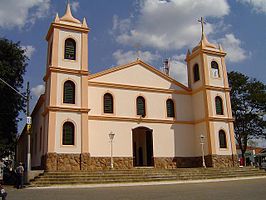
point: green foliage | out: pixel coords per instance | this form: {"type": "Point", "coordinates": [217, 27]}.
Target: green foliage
{"type": "Point", "coordinates": [248, 99]}
{"type": "Point", "coordinates": [13, 62]}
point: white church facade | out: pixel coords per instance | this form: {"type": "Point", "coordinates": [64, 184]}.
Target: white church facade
{"type": "Point", "coordinates": [156, 121]}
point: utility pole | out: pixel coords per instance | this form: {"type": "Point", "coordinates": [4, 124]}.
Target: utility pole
{"type": "Point", "coordinates": [28, 131]}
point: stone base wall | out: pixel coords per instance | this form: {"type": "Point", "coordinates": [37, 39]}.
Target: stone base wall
{"type": "Point", "coordinates": [220, 161]}
{"type": "Point", "coordinates": [84, 162]}
{"type": "Point", "coordinates": [164, 163]}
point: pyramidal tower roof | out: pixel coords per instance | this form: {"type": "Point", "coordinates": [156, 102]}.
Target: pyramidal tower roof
{"type": "Point", "coordinates": [68, 17]}
{"type": "Point", "coordinates": [204, 43]}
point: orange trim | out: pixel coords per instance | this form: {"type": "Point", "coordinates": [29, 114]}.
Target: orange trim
{"type": "Point", "coordinates": [53, 89]}
{"type": "Point", "coordinates": [64, 109]}
{"type": "Point", "coordinates": [149, 67]}
{"type": "Point", "coordinates": [136, 119]}
{"type": "Point", "coordinates": [51, 131]}
{"type": "Point", "coordinates": [137, 88]}
{"type": "Point", "coordinates": [207, 51]}
{"type": "Point", "coordinates": [63, 70]}
{"type": "Point", "coordinates": [65, 26]}
{"type": "Point", "coordinates": [232, 137]}
{"type": "Point", "coordinates": [221, 119]}
{"type": "Point", "coordinates": [84, 133]}
{"type": "Point", "coordinates": [84, 52]}
{"type": "Point", "coordinates": [55, 51]}
{"type": "Point", "coordinates": [84, 91]}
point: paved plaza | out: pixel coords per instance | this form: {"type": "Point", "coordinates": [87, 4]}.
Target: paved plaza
{"type": "Point", "coordinates": [253, 189]}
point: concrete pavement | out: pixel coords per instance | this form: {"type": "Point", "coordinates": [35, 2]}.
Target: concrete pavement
{"type": "Point", "coordinates": [251, 189]}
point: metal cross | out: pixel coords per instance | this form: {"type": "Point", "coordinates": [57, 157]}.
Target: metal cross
{"type": "Point", "coordinates": [201, 20]}
{"type": "Point", "coordinates": [137, 47]}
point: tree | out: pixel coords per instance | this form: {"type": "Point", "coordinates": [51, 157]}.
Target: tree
{"type": "Point", "coordinates": [248, 99]}
{"type": "Point", "coordinates": [13, 62]}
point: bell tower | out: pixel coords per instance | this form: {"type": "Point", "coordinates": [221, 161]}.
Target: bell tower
{"type": "Point", "coordinates": [207, 78]}
{"type": "Point", "coordinates": [66, 89]}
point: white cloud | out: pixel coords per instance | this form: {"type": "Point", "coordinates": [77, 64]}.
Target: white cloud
{"type": "Point", "coordinates": [75, 6]}
{"type": "Point", "coordinates": [18, 13]}
{"type": "Point", "coordinates": [178, 69]}
{"type": "Point", "coordinates": [232, 46]}
{"type": "Point", "coordinates": [257, 5]}
{"type": "Point", "coordinates": [38, 90]}
{"type": "Point", "coordinates": [130, 56]}
{"type": "Point", "coordinates": [29, 50]}
{"type": "Point", "coordinates": [168, 24]}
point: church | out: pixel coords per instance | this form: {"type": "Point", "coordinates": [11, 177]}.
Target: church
{"type": "Point", "coordinates": [129, 116]}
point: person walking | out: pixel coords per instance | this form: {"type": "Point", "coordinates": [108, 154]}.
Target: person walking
{"type": "Point", "coordinates": [3, 193]}
{"type": "Point", "coordinates": [20, 175]}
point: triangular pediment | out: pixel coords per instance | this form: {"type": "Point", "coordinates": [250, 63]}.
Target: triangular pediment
{"type": "Point", "coordinates": [139, 74]}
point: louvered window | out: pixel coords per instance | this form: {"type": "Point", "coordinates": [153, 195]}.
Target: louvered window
{"type": "Point", "coordinates": [141, 106]}
{"type": "Point", "coordinates": [170, 108]}
{"type": "Point", "coordinates": [222, 139]}
{"type": "Point", "coordinates": [196, 72]}
{"type": "Point", "coordinates": [69, 92]}
{"type": "Point", "coordinates": [68, 133]}
{"type": "Point", "coordinates": [108, 103]}
{"type": "Point", "coordinates": [219, 105]}
{"type": "Point", "coordinates": [70, 49]}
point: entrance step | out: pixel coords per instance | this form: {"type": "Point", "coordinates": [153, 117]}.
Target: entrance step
{"type": "Point", "coordinates": [140, 175]}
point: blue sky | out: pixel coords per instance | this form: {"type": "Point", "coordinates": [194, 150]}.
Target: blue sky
{"type": "Point", "coordinates": [163, 28]}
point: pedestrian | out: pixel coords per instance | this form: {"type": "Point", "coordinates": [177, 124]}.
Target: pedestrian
{"type": "Point", "coordinates": [20, 175]}
{"type": "Point", "coordinates": [3, 193]}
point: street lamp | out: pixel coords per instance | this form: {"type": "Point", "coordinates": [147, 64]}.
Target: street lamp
{"type": "Point", "coordinates": [202, 137]}
{"type": "Point", "coordinates": [111, 137]}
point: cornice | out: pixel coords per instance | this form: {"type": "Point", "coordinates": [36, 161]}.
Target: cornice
{"type": "Point", "coordinates": [137, 88]}
{"type": "Point", "coordinates": [65, 71]}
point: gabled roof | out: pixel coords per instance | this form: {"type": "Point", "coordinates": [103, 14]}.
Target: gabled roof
{"type": "Point", "coordinates": [143, 64]}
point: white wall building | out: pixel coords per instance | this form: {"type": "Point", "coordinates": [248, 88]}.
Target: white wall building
{"type": "Point", "coordinates": [156, 120]}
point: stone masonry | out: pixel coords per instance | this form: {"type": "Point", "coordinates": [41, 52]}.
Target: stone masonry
{"type": "Point", "coordinates": [83, 162]}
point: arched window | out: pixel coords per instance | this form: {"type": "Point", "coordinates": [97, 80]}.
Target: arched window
{"type": "Point", "coordinates": [170, 108]}
{"type": "Point", "coordinates": [219, 105]}
{"type": "Point", "coordinates": [215, 69]}
{"type": "Point", "coordinates": [69, 92]}
{"type": "Point", "coordinates": [141, 106]}
{"type": "Point", "coordinates": [70, 49]}
{"type": "Point", "coordinates": [196, 72]}
{"type": "Point", "coordinates": [68, 133]}
{"type": "Point", "coordinates": [108, 103]}
{"type": "Point", "coordinates": [222, 139]}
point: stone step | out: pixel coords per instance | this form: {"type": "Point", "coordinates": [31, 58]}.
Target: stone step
{"type": "Point", "coordinates": [141, 175]}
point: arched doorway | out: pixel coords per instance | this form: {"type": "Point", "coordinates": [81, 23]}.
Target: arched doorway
{"type": "Point", "coordinates": [142, 147]}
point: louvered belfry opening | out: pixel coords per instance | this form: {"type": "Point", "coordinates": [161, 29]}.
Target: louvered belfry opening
{"type": "Point", "coordinates": [108, 103]}
{"type": "Point", "coordinates": [69, 92]}
{"type": "Point", "coordinates": [68, 133]}
{"type": "Point", "coordinates": [219, 105]}
{"type": "Point", "coordinates": [141, 106]}
{"type": "Point", "coordinates": [170, 108]}
{"type": "Point", "coordinates": [70, 49]}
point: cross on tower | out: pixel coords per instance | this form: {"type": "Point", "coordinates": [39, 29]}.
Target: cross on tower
{"type": "Point", "coordinates": [201, 20]}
